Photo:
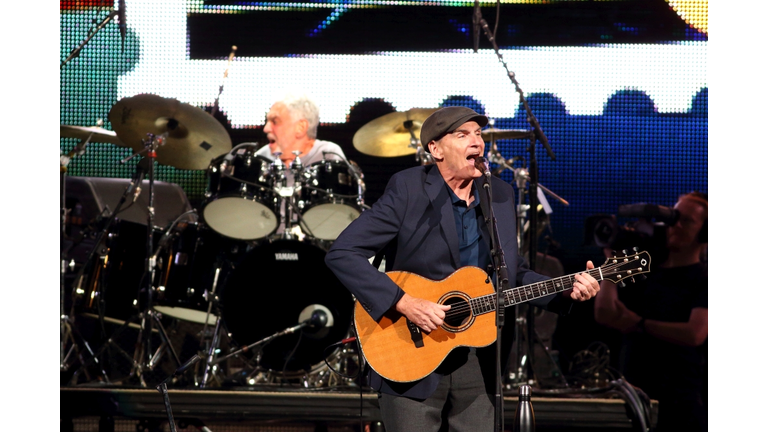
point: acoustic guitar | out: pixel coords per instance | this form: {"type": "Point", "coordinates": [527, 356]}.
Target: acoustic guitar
{"type": "Point", "coordinates": [400, 351]}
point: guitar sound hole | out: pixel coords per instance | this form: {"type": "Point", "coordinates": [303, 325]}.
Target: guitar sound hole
{"type": "Point", "coordinates": [459, 313]}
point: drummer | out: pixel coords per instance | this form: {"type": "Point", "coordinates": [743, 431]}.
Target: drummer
{"type": "Point", "coordinates": [292, 125]}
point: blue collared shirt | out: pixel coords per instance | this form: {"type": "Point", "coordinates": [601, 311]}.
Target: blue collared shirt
{"type": "Point", "coordinates": [474, 250]}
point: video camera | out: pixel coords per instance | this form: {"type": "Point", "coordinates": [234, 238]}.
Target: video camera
{"type": "Point", "coordinates": [648, 232]}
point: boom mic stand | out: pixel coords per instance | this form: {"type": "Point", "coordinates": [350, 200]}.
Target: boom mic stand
{"type": "Point", "coordinates": [533, 172]}
{"type": "Point", "coordinates": [76, 52]}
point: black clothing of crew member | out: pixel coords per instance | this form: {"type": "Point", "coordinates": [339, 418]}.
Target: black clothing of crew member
{"type": "Point", "coordinates": [673, 374]}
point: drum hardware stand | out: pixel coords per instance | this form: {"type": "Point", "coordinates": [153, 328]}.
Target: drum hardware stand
{"type": "Point", "coordinates": [141, 168]}
{"type": "Point", "coordinates": [148, 317]}
{"type": "Point", "coordinates": [67, 322]}
{"type": "Point", "coordinates": [287, 195]}
{"type": "Point", "coordinates": [357, 173]}
{"type": "Point", "coordinates": [422, 157]}
{"type": "Point", "coordinates": [213, 348]}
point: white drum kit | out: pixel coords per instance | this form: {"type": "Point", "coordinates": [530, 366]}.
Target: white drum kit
{"type": "Point", "coordinates": [248, 196]}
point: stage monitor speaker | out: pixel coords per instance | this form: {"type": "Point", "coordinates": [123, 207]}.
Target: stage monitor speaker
{"type": "Point", "coordinates": [89, 197]}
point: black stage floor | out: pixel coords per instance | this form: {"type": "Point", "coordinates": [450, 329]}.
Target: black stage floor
{"type": "Point", "coordinates": [310, 410]}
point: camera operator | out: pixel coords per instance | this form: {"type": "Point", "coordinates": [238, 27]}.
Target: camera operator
{"type": "Point", "coordinates": [664, 322]}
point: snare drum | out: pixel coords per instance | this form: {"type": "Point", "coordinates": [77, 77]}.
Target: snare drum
{"type": "Point", "coordinates": [330, 198]}
{"type": "Point", "coordinates": [240, 201]}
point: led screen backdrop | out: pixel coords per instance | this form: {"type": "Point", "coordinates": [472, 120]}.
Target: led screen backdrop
{"type": "Point", "coordinates": [619, 87]}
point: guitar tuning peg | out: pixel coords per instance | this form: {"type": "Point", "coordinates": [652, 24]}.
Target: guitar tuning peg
{"type": "Point", "coordinates": [622, 284]}
{"type": "Point", "coordinates": [633, 279]}
{"type": "Point", "coordinates": [643, 277]}
{"type": "Point", "coordinates": [636, 249]}
{"type": "Point", "coordinates": [624, 251]}
{"type": "Point", "coordinates": [613, 252]}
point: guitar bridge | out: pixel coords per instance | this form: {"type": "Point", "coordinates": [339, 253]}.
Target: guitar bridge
{"type": "Point", "coordinates": [416, 336]}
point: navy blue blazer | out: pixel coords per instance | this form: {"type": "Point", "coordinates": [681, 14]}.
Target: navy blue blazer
{"type": "Point", "coordinates": [414, 221]}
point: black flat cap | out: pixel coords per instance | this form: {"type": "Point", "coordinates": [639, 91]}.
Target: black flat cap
{"type": "Point", "coordinates": [447, 120]}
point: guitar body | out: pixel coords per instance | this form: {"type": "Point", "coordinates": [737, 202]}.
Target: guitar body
{"type": "Point", "coordinates": [387, 344]}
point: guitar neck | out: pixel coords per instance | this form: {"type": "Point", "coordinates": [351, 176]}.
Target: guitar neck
{"type": "Point", "coordinates": [487, 303]}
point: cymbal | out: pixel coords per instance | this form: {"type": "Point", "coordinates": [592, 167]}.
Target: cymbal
{"type": "Point", "coordinates": [387, 136]}
{"type": "Point", "coordinates": [497, 134]}
{"type": "Point", "coordinates": [194, 136]}
{"type": "Point", "coordinates": [97, 134]}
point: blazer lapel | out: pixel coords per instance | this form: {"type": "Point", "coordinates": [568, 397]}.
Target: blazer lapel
{"type": "Point", "coordinates": [441, 203]}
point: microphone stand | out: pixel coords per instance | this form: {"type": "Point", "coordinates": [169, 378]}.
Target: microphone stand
{"type": "Point", "coordinates": [539, 134]}
{"type": "Point", "coordinates": [532, 193]}
{"type": "Point", "coordinates": [76, 52]}
{"type": "Point", "coordinates": [500, 266]}
{"type": "Point", "coordinates": [163, 389]}
{"type": "Point", "coordinates": [288, 330]}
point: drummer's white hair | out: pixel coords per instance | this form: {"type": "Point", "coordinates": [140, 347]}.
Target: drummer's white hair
{"type": "Point", "coordinates": [302, 107]}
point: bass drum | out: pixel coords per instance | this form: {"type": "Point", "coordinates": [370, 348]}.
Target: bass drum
{"type": "Point", "coordinates": [276, 286]}
{"type": "Point", "coordinates": [240, 203]}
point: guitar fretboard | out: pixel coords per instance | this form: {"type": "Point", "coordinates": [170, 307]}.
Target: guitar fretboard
{"type": "Point", "coordinates": [513, 296]}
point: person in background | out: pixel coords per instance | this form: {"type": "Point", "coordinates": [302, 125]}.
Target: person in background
{"type": "Point", "coordinates": [664, 322]}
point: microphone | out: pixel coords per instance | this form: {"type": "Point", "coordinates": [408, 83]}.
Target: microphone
{"type": "Point", "coordinates": [121, 18]}
{"type": "Point", "coordinates": [316, 316]}
{"type": "Point", "coordinates": [476, 26]}
{"type": "Point", "coordinates": [482, 165]}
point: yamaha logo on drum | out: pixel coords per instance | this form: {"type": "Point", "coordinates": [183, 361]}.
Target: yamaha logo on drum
{"type": "Point", "coordinates": [286, 256]}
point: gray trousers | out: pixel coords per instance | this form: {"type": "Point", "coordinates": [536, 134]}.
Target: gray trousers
{"type": "Point", "coordinates": [460, 400]}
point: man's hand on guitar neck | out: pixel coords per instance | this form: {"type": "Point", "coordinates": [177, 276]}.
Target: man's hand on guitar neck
{"type": "Point", "coordinates": [424, 313]}
{"type": "Point", "coordinates": [585, 286]}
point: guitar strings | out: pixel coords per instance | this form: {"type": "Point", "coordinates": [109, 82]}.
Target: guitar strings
{"type": "Point", "coordinates": [465, 307]}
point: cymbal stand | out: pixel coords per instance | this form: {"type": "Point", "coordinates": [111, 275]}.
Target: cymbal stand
{"type": "Point", "coordinates": [67, 322]}
{"type": "Point", "coordinates": [132, 188]}
{"type": "Point", "coordinates": [422, 157]}
{"type": "Point", "coordinates": [148, 317]}
{"type": "Point", "coordinates": [213, 348]}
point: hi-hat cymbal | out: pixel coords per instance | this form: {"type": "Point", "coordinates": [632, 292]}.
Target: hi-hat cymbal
{"type": "Point", "coordinates": [387, 136]}
{"type": "Point", "coordinates": [97, 134]}
{"type": "Point", "coordinates": [194, 136]}
{"type": "Point", "coordinates": [497, 134]}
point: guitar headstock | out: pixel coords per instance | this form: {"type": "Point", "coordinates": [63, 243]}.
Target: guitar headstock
{"type": "Point", "coordinates": [621, 268]}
